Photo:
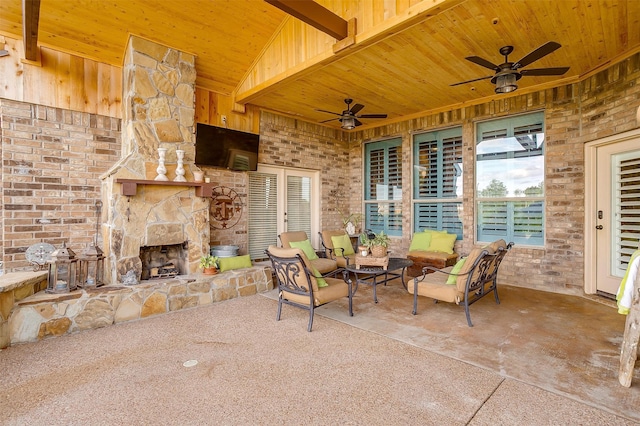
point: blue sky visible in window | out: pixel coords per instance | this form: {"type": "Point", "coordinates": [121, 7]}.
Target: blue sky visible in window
{"type": "Point", "coordinates": [517, 173]}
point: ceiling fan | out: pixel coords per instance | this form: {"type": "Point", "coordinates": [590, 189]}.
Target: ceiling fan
{"type": "Point", "coordinates": [349, 117]}
{"type": "Point", "coordinates": [509, 72]}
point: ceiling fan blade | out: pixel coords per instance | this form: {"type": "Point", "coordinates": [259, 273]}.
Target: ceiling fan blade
{"type": "Point", "coordinates": [483, 62]}
{"type": "Point", "coordinates": [328, 112]}
{"type": "Point", "coordinates": [357, 122]}
{"type": "Point", "coordinates": [356, 108]}
{"type": "Point", "coordinates": [541, 51]}
{"type": "Point", "coordinates": [545, 71]}
{"type": "Point", "coordinates": [471, 81]}
{"type": "Point", "coordinates": [372, 116]}
{"type": "Point", "coordinates": [331, 119]}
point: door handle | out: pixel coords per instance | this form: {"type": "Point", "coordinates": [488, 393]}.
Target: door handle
{"type": "Point", "coordinates": [599, 227]}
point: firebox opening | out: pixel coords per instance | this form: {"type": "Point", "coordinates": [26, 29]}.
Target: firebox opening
{"type": "Point", "coordinates": [164, 261]}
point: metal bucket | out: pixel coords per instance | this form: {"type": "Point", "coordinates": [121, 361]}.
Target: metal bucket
{"type": "Point", "coordinates": [224, 251]}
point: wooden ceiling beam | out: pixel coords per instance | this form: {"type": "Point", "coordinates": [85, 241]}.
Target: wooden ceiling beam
{"type": "Point", "coordinates": [317, 16]}
{"type": "Point", "coordinates": [30, 20]}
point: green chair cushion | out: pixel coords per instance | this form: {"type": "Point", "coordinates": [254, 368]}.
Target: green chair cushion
{"type": "Point", "coordinates": [420, 241]}
{"type": "Point", "coordinates": [305, 246]}
{"type": "Point", "coordinates": [343, 242]}
{"type": "Point", "coordinates": [321, 281]}
{"type": "Point", "coordinates": [456, 269]}
{"type": "Point", "coordinates": [442, 242]}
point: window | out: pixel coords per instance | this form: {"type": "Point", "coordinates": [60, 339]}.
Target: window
{"type": "Point", "coordinates": [383, 186]}
{"type": "Point", "coordinates": [510, 179]}
{"type": "Point", "coordinates": [437, 181]}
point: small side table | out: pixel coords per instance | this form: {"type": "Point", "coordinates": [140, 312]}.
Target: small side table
{"type": "Point", "coordinates": [372, 261]}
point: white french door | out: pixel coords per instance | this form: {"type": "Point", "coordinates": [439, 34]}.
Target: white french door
{"type": "Point", "coordinates": [614, 217]}
{"type": "Point", "coordinates": [280, 200]}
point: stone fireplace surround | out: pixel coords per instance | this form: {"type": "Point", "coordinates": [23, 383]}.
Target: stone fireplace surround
{"type": "Point", "coordinates": [159, 112]}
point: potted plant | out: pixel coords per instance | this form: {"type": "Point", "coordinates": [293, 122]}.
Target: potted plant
{"type": "Point", "coordinates": [209, 264]}
{"type": "Point", "coordinates": [379, 244]}
{"type": "Point", "coordinates": [364, 244]}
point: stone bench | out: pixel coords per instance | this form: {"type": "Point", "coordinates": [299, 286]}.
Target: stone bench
{"type": "Point", "coordinates": [40, 315]}
{"type": "Point", "coordinates": [15, 287]}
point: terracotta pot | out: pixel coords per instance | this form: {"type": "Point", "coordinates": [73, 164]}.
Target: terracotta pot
{"type": "Point", "coordinates": [210, 271]}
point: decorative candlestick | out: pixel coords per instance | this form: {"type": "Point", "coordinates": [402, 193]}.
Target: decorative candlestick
{"type": "Point", "coordinates": [180, 169]}
{"type": "Point", "coordinates": [161, 168]}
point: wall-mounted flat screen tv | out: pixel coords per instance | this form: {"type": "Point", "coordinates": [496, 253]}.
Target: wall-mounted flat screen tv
{"type": "Point", "coordinates": [226, 148]}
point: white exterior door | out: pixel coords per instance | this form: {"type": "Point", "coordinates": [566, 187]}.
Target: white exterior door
{"type": "Point", "coordinates": [280, 200]}
{"type": "Point", "coordinates": [616, 211]}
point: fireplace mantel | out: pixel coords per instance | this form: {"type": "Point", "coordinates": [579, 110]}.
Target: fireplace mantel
{"type": "Point", "coordinates": [130, 186]}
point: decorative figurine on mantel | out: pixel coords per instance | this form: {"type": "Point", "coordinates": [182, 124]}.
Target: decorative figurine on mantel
{"type": "Point", "coordinates": [180, 169]}
{"type": "Point", "coordinates": [162, 170]}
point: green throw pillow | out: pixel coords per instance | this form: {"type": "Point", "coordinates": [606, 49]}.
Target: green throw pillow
{"type": "Point", "coordinates": [343, 242]}
{"type": "Point", "coordinates": [420, 241]}
{"type": "Point", "coordinates": [321, 281]}
{"type": "Point", "coordinates": [437, 231]}
{"type": "Point", "coordinates": [305, 246]}
{"type": "Point", "coordinates": [442, 242]}
{"type": "Point", "coordinates": [456, 269]}
{"type": "Point", "coordinates": [236, 262]}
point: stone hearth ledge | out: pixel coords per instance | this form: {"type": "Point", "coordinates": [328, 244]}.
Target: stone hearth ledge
{"type": "Point", "coordinates": [45, 315]}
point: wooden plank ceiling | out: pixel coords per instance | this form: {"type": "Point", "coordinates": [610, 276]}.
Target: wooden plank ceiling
{"type": "Point", "coordinates": [406, 54]}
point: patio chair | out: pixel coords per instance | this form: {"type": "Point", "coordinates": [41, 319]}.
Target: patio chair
{"type": "Point", "coordinates": [337, 245]}
{"type": "Point", "coordinates": [465, 283]}
{"type": "Point", "coordinates": [299, 239]}
{"type": "Point", "coordinates": [299, 286]}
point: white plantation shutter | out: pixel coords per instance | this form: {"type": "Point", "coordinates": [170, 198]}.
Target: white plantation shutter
{"type": "Point", "coordinates": [627, 207]}
{"type": "Point", "coordinates": [263, 213]}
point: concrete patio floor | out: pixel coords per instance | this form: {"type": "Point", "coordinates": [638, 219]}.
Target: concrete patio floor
{"type": "Point", "coordinates": [537, 358]}
{"type": "Point", "coordinates": [564, 344]}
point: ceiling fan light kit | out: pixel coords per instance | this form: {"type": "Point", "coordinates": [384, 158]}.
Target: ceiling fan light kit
{"type": "Point", "coordinates": [508, 73]}
{"type": "Point", "coordinates": [505, 83]}
{"type": "Point", "coordinates": [348, 118]}
{"type": "Point", "coordinates": [348, 123]}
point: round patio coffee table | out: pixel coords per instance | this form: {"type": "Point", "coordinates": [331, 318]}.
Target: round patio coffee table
{"type": "Point", "coordinates": [371, 275]}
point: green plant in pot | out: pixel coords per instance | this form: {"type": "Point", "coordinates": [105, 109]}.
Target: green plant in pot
{"type": "Point", "coordinates": [209, 264]}
{"type": "Point", "coordinates": [379, 244]}
{"type": "Point", "coordinates": [364, 244]}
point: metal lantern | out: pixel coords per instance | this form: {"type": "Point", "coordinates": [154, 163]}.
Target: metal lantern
{"type": "Point", "coordinates": [91, 267]}
{"type": "Point", "coordinates": [62, 271]}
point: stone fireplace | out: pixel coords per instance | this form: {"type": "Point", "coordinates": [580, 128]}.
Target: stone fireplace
{"type": "Point", "coordinates": [164, 261]}
{"type": "Point", "coordinates": [159, 112]}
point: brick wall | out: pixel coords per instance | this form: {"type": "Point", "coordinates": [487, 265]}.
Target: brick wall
{"type": "Point", "coordinates": [290, 143]}
{"type": "Point", "coordinates": [233, 232]}
{"type": "Point", "coordinates": [51, 163]}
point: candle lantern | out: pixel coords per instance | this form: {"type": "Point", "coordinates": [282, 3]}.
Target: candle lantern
{"type": "Point", "coordinates": [62, 271]}
{"type": "Point", "coordinates": [91, 267]}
